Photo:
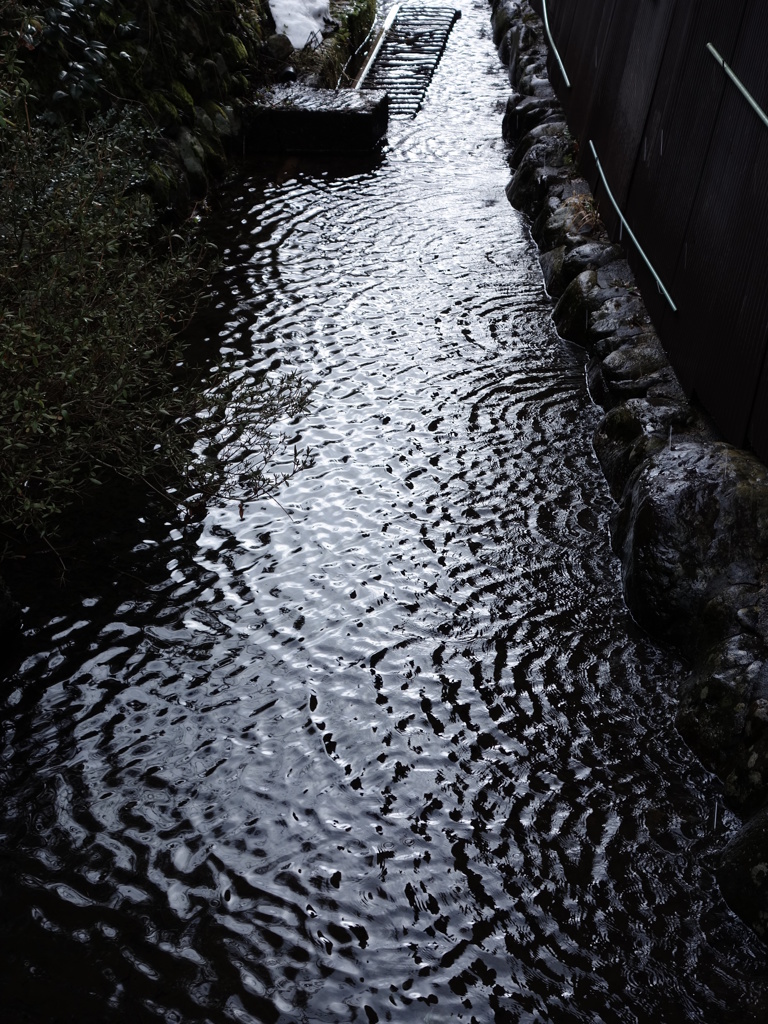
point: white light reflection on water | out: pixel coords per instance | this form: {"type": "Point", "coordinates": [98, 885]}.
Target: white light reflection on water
{"type": "Point", "coordinates": [393, 751]}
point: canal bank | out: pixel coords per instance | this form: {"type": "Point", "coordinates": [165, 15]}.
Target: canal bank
{"type": "Point", "coordinates": [691, 525]}
{"type": "Point", "coordinates": [394, 748]}
{"type": "Point", "coordinates": [116, 123]}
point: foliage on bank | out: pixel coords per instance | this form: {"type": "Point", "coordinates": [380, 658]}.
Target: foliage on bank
{"type": "Point", "coordinates": [342, 55]}
{"type": "Point", "coordinates": [98, 100]}
{"type": "Point", "coordinates": [184, 68]}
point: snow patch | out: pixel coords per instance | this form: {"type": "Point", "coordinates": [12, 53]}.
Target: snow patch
{"type": "Point", "coordinates": [300, 19]}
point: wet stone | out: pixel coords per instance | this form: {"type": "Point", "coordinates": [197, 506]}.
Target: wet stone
{"type": "Point", "coordinates": [571, 223]}
{"type": "Point", "coordinates": [635, 360]}
{"type": "Point", "coordinates": [526, 112]}
{"type": "Point", "coordinates": [629, 433]}
{"type": "Point", "coordinates": [550, 135]}
{"type": "Point", "coordinates": [588, 256]}
{"type": "Point", "coordinates": [608, 391]}
{"type": "Point", "coordinates": [552, 268]}
{"type": "Point", "coordinates": [533, 182]}
{"type": "Point", "coordinates": [620, 319]}
{"type": "Point", "coordinates": [743, 873]}
{"type": "Point", "coordinates": [502, 17]}
{"type": "Point", "coordinates": [693, 535]}
{"type": "Point", "coordinates": [616, 274]}
{"type": "Point", "coordinates": [535, 84]}
{"type": "Point", "coordinates": [515, 46]}
{"type": "Point", "coordinates": [583, 296]}
{"type": "Point", "coordinates": [723, 713]}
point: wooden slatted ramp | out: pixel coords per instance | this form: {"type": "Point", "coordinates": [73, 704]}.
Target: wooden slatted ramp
{"type": "Point", "coordinates": [404, 59]}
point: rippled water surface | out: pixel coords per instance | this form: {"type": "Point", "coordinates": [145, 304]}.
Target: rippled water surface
{"type": "Point", "coordinates": [392, 749]}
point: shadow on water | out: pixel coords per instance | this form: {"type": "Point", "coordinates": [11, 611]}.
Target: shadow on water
{"type": "Point", "coordinates": [266, 172]}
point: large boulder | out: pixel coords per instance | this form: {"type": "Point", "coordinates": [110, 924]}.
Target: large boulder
{"type": "Point", "coordinates": [590, 292]}
{"type": "Point", "coordinates": [743, 873]}
{"type": "Point", "coordinates": [635, 429]}
{"type": "Point", "coordinates": [692, 531]}
{"type": "Point", "coordinates": [723, 715]}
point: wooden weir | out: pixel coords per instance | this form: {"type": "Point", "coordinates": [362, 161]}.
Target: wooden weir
{"type": "Point", "coordinates": [393, 81]}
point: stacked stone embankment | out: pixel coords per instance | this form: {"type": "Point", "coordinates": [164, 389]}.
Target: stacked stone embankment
{"type": "Point", "coordinates": [192, 70]}
{"type": "Point", "coordinates": [691, 523]}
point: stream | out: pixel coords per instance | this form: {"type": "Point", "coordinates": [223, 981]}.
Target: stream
{"type": "Point", "coordinates": [390, 747]}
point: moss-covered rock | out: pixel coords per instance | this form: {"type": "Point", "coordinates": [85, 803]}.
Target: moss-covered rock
{"type": "Point", "coordinates": [162, 185]}
{"type": "Point", "coordinates": [167, 114]}
{"type": "Point", "coordinates": [336, 61]}
{"type": "Point", "coordinates": [182, 95]}
{"type": "Point", "coordinates": [236, 51]}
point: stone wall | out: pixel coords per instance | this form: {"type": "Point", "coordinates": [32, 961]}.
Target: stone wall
{"type": "Point", "coordinates": [691, 521]}
{"type": "Point", "coordinates": [192, 68]}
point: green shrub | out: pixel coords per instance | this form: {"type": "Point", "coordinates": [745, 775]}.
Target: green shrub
{"type": "Point", "coordinates": [93, 377]}
{"type": "Point", "coordinates": [92, 374]}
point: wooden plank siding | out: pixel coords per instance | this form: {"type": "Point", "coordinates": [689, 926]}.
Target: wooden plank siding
{"type": "Point", "coordinates": [686, 158]}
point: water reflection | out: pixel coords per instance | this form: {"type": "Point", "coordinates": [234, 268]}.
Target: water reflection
{"type": "Point", "coordinates": [394, 750]}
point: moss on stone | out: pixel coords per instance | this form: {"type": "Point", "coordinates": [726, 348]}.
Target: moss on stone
{"type": "Point", "coordinates": [237, 51]}
{"type": "Point", "coordinates": [334, 60]}
{"type": "Point", "coordinates": [105, 22]}
{"type": "Point", "coordinates": [182, 94]}
{"type": "Point", "coordinates": [166, 113]}
{"type": "Point", "coordinates": [161, 184]}
{"type": "Point", "coordinates": [213, 109]}
{"type": "Point", "coordinates": [193, 68]}
{"type": "Point", "coordinates": [214, 157]}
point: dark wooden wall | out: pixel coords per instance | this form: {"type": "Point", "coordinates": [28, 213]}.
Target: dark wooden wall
{"type": "Point", "coordinates": [686, 158]}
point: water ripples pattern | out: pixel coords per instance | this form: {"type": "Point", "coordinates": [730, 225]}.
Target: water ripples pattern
{"type": "Point", "coordinates": [392, 749]}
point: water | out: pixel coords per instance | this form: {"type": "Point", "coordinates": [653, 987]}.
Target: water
{"type": "Point", "coordinates": [391, 749]}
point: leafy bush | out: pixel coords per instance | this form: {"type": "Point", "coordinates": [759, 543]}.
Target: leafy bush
{"type": "Point", "coordinates": [87, 55]}
{"type": "Point", "coordinates": [92, 372]}
{"type": "Point", "coordinates": [93, 379]}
